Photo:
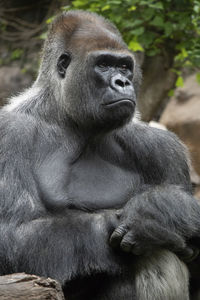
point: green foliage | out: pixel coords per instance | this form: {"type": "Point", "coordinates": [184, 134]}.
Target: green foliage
{"type": "Point", "coordinates": [179, 81]}
{"type": "Point", "coordinates": [198, 77]}
{"type": "Point", "coordinates": [48, 21]}
{"type": "Point", "coordinates": [43, 36]}
{"type": "Point", "coordinates": [17, 54]}
{"type": "Point", "coordinates": [171, 93]}
{"type": "Point", "coordinates": [154, 26]}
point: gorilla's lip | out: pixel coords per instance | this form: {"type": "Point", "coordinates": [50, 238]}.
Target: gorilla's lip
{"type": "Point", "coordinates": [121, 100]}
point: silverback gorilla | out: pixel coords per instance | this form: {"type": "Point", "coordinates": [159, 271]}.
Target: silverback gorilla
{"type": "Point", "coordinates": [89, 195]}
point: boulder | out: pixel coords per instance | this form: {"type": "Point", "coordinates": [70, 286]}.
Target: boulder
{"type": "Point", "coordinates": [182, 116]}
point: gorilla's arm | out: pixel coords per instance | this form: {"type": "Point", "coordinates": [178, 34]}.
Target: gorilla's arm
{"type": "Point", "coordinates": [59, 246]}
{"type": "Point", "coordinates": [164, 213]}
{"type": "Point", "coordinates": [164, 216]}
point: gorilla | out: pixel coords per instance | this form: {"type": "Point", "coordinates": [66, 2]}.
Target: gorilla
{"type": "Point", "coordinates": [90, 195]}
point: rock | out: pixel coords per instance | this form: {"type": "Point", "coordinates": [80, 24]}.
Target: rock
{"type": "Point", "coordinates": [12, 81]}
{"type": "Point", "coordinates": [197, 192]}
{"type": "Point", "coordinates": [182, 116]}
{"type": "Point", "coordinates": [22, 286]}
{"type": "Point", "coordinates": [195, 178]}
{"type": "Point", "coordinates": [157, 125]}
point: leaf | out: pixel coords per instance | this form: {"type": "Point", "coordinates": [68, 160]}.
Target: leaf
{"type": "Point", "coordinates": [132, 8]}
{"type": "Point", "coordinates": [197, 8]}
{"type": "Point", "coordinates": [179, 82]}
{"type": "Point", "coordinates": [106, 7]}
{"type": "Point", "coordinates": [17, 53]}
{"type": "Point", "coordinates": [50, 20]}
{"type": "Point", "coordinates": [177, 72]}
{"type": "Point", "coordinates": [65, 8]}
{"type": "Point", "coordinates": [182, 55]}
{"type": "Point", "coordinates": [147, 38]}
{"type": "Point", "coordinates": [116, 2]}
{"type": "Point", "coordinates": [168, 28]}
{"type": "Point", "coordinates": [137, 31]}
{"type": "Point", "coordinates": [78, 3]}
{"type": "Point", "coordinates": [157, 5]}
{"type": "Point", "coordinates": [136, 23]}
{"type": "Point", "coordinates": [153, 51]}
{"type": "Point", "coordinates": [198, 77]}
{"type": "Point", "coordinates": [135, 46]}
{"type": "Point", "coordinates": [171, 93]}
{"type": "Point", "coordinates": [157, 21]}
{"type": "Point", "coordinates": [148, 13]}
{"type": "Point", "coordinates": [43, 36]}
{"type": "Point", "coordinates": [184, 52]}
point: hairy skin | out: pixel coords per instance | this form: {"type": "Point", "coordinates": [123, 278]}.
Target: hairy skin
{"type": "Point", "coordinates": [90, 196]}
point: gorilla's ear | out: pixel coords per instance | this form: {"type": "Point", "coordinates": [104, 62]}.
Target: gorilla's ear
{"type": "Point", "coordinates": [63, 63]}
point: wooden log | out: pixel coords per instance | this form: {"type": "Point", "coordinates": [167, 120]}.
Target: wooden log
{"type": "Point", "coordinates": [22, 286]}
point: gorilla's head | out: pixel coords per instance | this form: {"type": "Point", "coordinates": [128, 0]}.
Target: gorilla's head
{"type": "Point", "coordinates": [92, 73]}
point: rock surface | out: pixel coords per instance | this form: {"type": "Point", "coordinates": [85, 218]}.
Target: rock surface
{"type": "Point", "coordinates": [182, 116]}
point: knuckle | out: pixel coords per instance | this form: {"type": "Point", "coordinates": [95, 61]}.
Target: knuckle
{"type": "Point", "coordinates": [118, 234]}
{"type": "Point", "coordinates": [122, 229]}
{"type": "Point", "coordinates": [126, 246]}
{"type": "Point", "coordinates": [188, 254]}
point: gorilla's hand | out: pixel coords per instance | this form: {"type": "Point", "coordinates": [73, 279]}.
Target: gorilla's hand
{"type": "Point", "coordinates": [154, 220]}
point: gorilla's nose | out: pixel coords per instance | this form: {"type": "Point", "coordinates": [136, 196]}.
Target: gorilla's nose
{"type": "Point", "coordinates": [121, 84]}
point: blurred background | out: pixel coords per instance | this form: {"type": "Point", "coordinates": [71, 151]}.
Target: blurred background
{"type": "Point", "coordinates": [165, 35]}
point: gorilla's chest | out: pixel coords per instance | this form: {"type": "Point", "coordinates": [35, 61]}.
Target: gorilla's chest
{"type": "Point", "coordinates": [96, 183]}
{"type": "Point", "coordinates": [90, 182]}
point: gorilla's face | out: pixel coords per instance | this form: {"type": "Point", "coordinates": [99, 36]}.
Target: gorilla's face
{"type": "Point", "coordinates": [96, 73]}
{"type": "Point", "coordinates": [99, 90]}
{"type": "Point", "coordinates": [111, 86]}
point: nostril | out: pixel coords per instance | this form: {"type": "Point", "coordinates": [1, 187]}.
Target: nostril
{"type": "Point", "coordinates": [120, 83]}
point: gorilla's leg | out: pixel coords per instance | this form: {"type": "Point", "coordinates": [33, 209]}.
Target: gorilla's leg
{"type": "Point", "coordinates": [119, 288]}
{"type": "Point", "coordinates": [162, 277]}
{"type": "Point", "coordinates": [159, 277]}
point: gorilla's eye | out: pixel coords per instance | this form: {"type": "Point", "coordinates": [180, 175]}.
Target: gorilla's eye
{"type": "Point", "coordinates": [63, 63]}
{"type": "Point", "coordinates": [124, 67]}
{"type": "Point", "coordinates": [103, 64]}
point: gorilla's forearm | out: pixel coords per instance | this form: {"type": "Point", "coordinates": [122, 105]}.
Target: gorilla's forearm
{"type": "Point", "coordinates": [175, 208]}
{"type": "Point", "coordinates": [163, 216]}
{"type": "Point", "coordinates": [75, 243]}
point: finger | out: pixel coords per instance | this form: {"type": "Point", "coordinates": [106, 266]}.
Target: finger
{"type": "Point", "coordinates": [188, 254]}
{"type": "Point", "coordinates": [118, 234]}
{"type": "Point", "coordinates": [127, 242]}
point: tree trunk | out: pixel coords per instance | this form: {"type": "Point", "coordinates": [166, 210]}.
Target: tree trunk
{"type": "Point", "coordinates": [21, 286]}
{"type": "Point", "coordinates": [158, 79]}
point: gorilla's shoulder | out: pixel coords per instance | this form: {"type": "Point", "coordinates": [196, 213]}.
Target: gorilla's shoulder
{"type": "Point", "coordinates": [141, 132]}
{"type": "Point", "coordinates": [14, 123]}
{"type": "Point", "coordinates": [145, 142]}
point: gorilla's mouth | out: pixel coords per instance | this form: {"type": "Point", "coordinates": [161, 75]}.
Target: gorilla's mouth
{"type": "Point", "coordinates": [120, 101]}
